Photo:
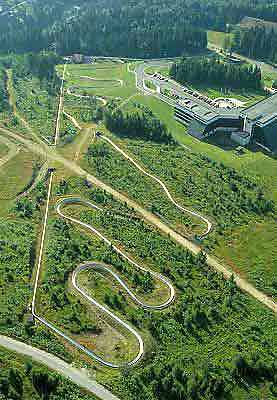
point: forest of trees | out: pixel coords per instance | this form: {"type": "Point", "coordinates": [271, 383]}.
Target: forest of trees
{"type": "Point", "coordinates": [122, 27]}
{"type": "Point", "coordinates": [35, 382]}
{"type": "Point", "coordinates": [4, 103]}
{"type": "Point", "coordinates": [41, 65]}
{"type": "Point", "coordinates": [214, 71]}
{"type": "Point", "coordinates": [258, 42]}
{"type": "Point", "coordinates": [138, 124]}
{"type": "Point", "coordinates": [101, 28]}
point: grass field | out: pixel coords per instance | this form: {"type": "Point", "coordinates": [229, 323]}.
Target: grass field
{"type": "Point", "coordinates": [218, 39]}
{"type": "Point", "coordinates": [3, 150]}
{"type": "Point", "coordinates": [108, 79]}
{"type": "Point", "coordinates": [14, 177]}
{"type": "Point", "coordinates": [160, 70]}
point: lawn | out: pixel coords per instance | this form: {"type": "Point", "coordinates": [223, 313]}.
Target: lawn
{"type": "Point", "coordinates": [109, 79]}
{"type": "Point", "coordinates": [3, 150]}
{"type": "Point", "coordinates": [160, 70]}
{"type": "Point", "coordinates": [218, 39]}
{"type": "Point", "coordinates": [14, 177]}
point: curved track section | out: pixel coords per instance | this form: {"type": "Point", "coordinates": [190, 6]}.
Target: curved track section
{"type": "Point", "coordinates": [163, 186]}
{"type": "Point", "coordinates": [120, 81]}
{"type": "Point", "coordinates": [103, 268]}
{"type": "Point", "coordinates": [209, 226]}
{"type": "Point", "coordinates": [80, 96]}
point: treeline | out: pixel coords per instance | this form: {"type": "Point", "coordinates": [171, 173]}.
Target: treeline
{"type": "Point", "coordinates": [4, 101]}
{"type": "Point", "coordinates": [213, 70]}
{"type": "Point", "coordinates": [123, 28]}
{"type": "Point", "coordinates": [120, 28]}
{"type": "Point", "coordinates": [30, 381]}
{"type": "Point", "coordinates": [258, 42]}
{"type": "Point", "coordinates": [138, 124]}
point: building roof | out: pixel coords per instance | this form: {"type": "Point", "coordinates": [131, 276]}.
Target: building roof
{"type": "Point", "coordinates": [262, 112]}
{"type": "Point", "coordinates": [197, 129]}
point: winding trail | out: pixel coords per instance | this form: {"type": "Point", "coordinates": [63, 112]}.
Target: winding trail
{"type": "Point", "coordinates": [73, 120]}
{"type": "Point", "coordinates": [99, 267]}
{"type": "Point", "coordinates": [51, 154]}
{"type": "Point", "coordinates": [102, 80]}
{"type": "Point", "coordinates": [103, 268]}
{"type": "Point", "coordinates": [13, 151]}
{"type": "Point", "coordinates": [80, 96]}
{"type": "Point", "coordinates": [162, 185]}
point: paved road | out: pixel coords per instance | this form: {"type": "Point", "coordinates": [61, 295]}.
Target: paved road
{"type": "Point", "coordinates": [77, 376]}
{"type": "Point", "coordinates": [52, 155]}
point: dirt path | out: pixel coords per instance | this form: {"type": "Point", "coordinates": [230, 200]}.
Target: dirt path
{"type": "Point", "coordinates": [204, 219]}
{"type": "Point", "coordinates": [52, 155]}
{"type": "Point", "coordinates": [12, 103]}
{"type": "Point", "coordinates": [80, 96]}
{"type": "Point", "coordinates": [73, 120]}
{"type": "Point", "coordinates": [39, 178]}
{"type": "Point", "coordinates": [89, 133]}
{"type": "Point", "coordinates": [13, 151]}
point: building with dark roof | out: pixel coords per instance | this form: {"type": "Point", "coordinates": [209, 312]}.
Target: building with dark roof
{"type": "Point", "coordinates": [256, 123]}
